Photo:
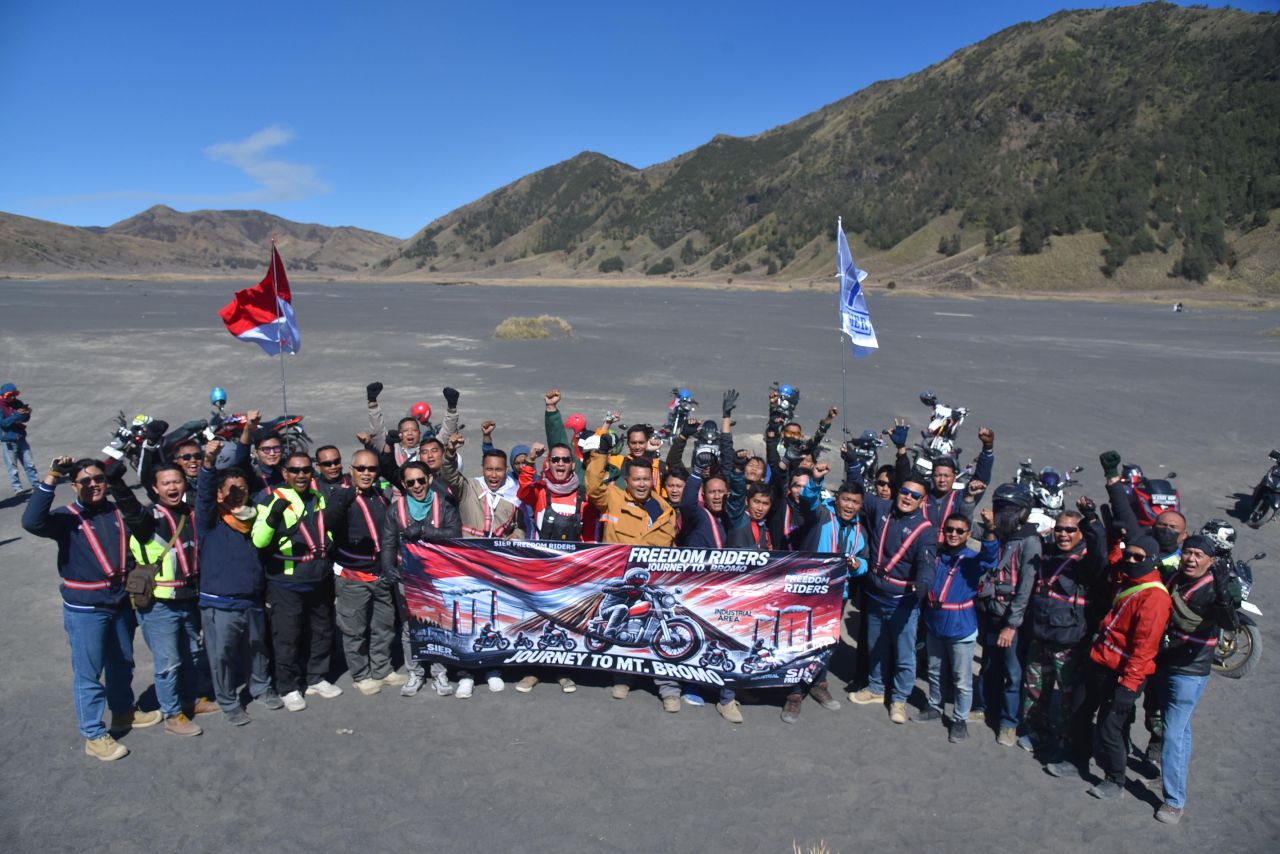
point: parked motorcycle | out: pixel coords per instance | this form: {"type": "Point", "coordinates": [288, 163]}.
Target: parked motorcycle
{"type": "Point", "coordinates": [228, 426]}
{"type": "Point", "coordinates": [678, 413]}
{"type": "Point", "coordinates": [716, 656]}
{"type": "Point", "coordinates": [490, 639]}
{"type": "Point", "coordinates": [861, 458]}
{"type": "Point", "coordinates": [1266, 496]}
{"type": "Point", "coordinates": [1047, 486]}
{"type": "Point", "coordinates": [1150, 497]}
{"type": "Point", "coordinates": [939, 436]}
{"type": "Point", "coordinates": [1239, 650]}
{"type": "Point", "coordinates": [555, 637]}
{"type": "Point", "coordinates": [649, 622]}
{"type": "Point", "coordinates": [134, 439]}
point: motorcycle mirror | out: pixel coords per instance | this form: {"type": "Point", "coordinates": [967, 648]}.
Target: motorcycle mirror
{"type": "Point", "coordinates": [1259, 555]}
{"type": "Point", "coordinates": [1077, 469]}
{"type": "Point", "coordinates": [1171, 475]}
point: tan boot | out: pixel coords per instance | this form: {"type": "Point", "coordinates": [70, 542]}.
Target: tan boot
{"type": "Point", "coordinates": [791, 708]}
{"type": "Point", "coordinates": [106, 748]}
{"type": "Point", "coordinates": [134, 719]}
{"type": "Point", "coordinates": [205, 706]}
{"type": "Point", "coordinates": [730, 711]}
{"type": "Point", "coordinates": [180, 724]}
{"type": "Point", "coordinates": [822, 694]}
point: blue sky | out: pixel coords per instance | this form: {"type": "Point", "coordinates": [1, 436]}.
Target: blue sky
{"type": "Point", "coordinates": [385, 115]}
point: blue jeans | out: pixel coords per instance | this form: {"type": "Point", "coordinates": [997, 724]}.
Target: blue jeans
{"type": "Point", "coordinates": [892, 626]}
{"type": "Point", "coordinates": [959, 656]}
{"type": "Point", "coordinates": [101, 641]}
{"type": "Point", "coordinates": [1182, 693]}
{"type": "Point", "coordinates": [171, 629]}
{"type": "Point", "coordinates": [998, 689]}
{"type": "Point", "coordinates": [16, 453]}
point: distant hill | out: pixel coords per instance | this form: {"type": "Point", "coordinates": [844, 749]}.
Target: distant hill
{"type": "Point", "coordinates": [161, 241]}
{"type": "Point", "coordinates": [1123, 149]}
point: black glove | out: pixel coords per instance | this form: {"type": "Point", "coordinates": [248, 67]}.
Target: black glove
{"type": "Point", "coordinates": [275, 516]}
{"type": "Point", "coordinates": [451, 397]}
{"type": "Point", "coordinates": [1087, 507]}
{"type": "Point", "coordinates": [393, 436]}
{"type": "Point", "coordinates": [1110, 463]}
{"type": "Point", "coordinates": [155, 430]}
{"type": "Point", "coordinates": [413, 532]}
{"type": "Point", "coordinates": [922, 593]}
{"type": "Point", "coordinates": [115, 472]}
{"type": "Point", "coordinates": [1123, 700]}
{"type": "Point", "coordinates": [372, 390]}
{"type": "Point", "coordinates": [690, 429]}
{"type": "Point", "coordinates": [730, 401]}
{"type": "Point", "coordinates": [61, 469]}
{"type": "Point", "coordinates": [606, 442]}
{"type": "Point", "coordinates": [1222, 585]}
{"type": "Point", "coordinates": [898, 435]}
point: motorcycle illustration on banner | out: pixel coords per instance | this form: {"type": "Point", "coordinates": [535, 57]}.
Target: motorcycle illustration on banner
{"type": "Point", "coordinates": [712, 616]}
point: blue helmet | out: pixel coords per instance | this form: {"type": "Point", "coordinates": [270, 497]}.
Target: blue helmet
{"type": "Point", "coordinates": [218, 396]}
{"type": "Point", "coordinates": [786, 390]}
{"type": "Point", "coordinates": [683, 394]}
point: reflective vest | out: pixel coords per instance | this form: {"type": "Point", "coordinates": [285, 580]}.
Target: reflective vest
{"type": "Point", "coordinates": [280, 549]}
{"type": "Point", "coordinates": [179, 573]}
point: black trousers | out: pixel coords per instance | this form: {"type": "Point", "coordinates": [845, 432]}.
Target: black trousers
{"type": "Point", "coordinates": [1111, 732]}
{"type": "Point", "coordinates": [301, 634]}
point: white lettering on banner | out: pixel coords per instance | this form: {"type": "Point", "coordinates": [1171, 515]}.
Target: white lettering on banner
{"type": "Point", "coordinates": [697, 560]}
{"type": "Point", "coordinates": [807, 584]}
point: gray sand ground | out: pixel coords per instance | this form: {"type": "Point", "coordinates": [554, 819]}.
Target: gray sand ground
{"type": "Point", "coordinates": [550, 772]}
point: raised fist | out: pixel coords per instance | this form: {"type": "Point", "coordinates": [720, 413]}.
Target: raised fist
{"type": "Point", "coordinates": [537, 450]}
{"type": "Point", "coordinates": [552, 398]}
{"type": "Point", "coordinates": [987, 437]}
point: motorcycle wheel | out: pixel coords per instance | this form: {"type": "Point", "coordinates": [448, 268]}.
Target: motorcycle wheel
{"type": "Point", "coordinates": [504, 643]}
{"type": "Point", "coordinates": [1262, 511]}
{"type": "Point", "coordinates": [477, 646]}
{"type": "Point", "coordinates": [683, 641]}
{"type": "Point", "coordinates": [593, 644]}
{"type": "Point", "coordinates": [542, 645]}
{"type": "Point", "coordinates": [570, 644]}
{"type": "Point", "coordinates": [294, 442]}
{"type": "Point", "coordinates": [727, 665]}
{"type": "Point", "coordinates": [1238, 652]}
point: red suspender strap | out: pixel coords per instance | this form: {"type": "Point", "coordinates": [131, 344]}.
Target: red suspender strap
{"type": "Point", "coordinates": [883, 569]}
{"type": "Point", "coordinates": [183, 564]}
{"type": "Point", "coordinates": [368, 521]}
{"type": "Point", "coordinates": [96, 546]}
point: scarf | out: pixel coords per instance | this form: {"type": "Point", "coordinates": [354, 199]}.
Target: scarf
{"type": "Point", "coordinates": [235, 523]}
{"type": "Point", "coordinates": [419, 509]}
{"type": "Point", "coordinates": [568, 486]}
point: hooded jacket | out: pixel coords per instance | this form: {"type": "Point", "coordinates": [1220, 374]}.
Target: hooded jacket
{"type": "Point", "coordinates": [1006, 590]}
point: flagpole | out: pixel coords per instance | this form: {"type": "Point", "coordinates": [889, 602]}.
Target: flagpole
{"type": "Point", "coordinates": [275, 292]}
{"type": "Point", "coordinates": [844, 379]}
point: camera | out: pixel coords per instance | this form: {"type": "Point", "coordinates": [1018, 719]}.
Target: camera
{"type": "Point", "coordinates": [706, 449]}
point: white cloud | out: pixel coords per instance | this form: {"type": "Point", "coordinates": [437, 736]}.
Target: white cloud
{"type": "Point", "coordinates": [278, 180]}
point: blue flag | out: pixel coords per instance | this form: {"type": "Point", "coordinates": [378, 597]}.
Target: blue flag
{"type": "Point", "coordinates": [855, 318]}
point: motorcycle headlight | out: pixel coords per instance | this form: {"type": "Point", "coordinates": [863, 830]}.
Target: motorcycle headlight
{"type": "Point", "coordinates": [668, 600]}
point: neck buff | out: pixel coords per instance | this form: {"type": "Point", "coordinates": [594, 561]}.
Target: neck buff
{"type": "Point", "coordinates": [566, 487]}
{"type": "Point", "coordinates": [419, 509]}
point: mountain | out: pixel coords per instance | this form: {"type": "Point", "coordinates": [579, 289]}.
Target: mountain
{"type": "Point", "coordinates": [161, 241]}
{"type": "Point", "coordinates": [1125, 149]}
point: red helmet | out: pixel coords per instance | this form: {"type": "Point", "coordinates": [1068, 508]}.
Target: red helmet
{"type": "Point", "coordinates": [421, 411]}
{"type": "Point", "coordinates": [577, 422]}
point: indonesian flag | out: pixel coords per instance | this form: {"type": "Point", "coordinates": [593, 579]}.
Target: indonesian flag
{"type": "Point", "coordinates": [263, 314]}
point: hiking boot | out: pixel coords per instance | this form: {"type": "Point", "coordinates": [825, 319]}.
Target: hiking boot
{"type": "Point", "coordinates": [271, 700]}
{"type": "Point", "coordinates": [929, 713]}
{"type": "Point", "coordinates": [620, 691]}
{"type": "Point", "coordinates": [237, 716]}
{"type": "Point", "coordinates": [1007, 737]}
{"type": "Point", "coordinates": [134, 719]}
{"type": "Point", "coordinates": [864, 697]}
{"type": "Point", "coordinates": [325, 689]}
{"type": "Point", "coordinates": [466, 685]}
{"type": "Point", "coordinates": [1107, 790]}
{"type": "Point", "coordinates": [567, 685]}
{"type": "Point", "coordinates": [671, 704]}
{"type": "Point", "coordinates": [180, 724]}
{"type": "Point", "coordinates": [294, 701]}
{"type": "Point", "coordinates": [496, 684]}
{"type": "Point", "coordinates": [730, 711]}
{"type": "Point", "coordinates": [441, 685]}
{"type": "Point", "coordinates": [368, 687]}
{"type": "Point", "coordinates": [1168, 814]}
{"type": "Point", "coordinates": [204, 706]}
{"type": "Point", "coordinates": [898, 713]}
{"type": "Point", "coordinates": [412, 685]}
{"type": "Point", "coordinates": [525, 685]}
{"type": "Point", "coordinates": [394, 678]}
{"type": "Point", "coordinates": [959, 732]}
{"type": "Point", "coordinates": [106, 748]}
{"type": "Point", "coordinates": [822, 694]}
{"type": "Point", "coordinates": [791, 708]}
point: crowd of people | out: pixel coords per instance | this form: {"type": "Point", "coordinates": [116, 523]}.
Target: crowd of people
{"type": "Point", "coordinates": [252, 559]}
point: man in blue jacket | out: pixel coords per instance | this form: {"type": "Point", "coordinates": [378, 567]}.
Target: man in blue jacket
{"type": "Point", "coordinates": [93, 560]}
{"type": "Point", "coordinates": [14, 415]}
{"type": "Point", "coordinates": [232, 585]}
{"type": "Point", "coordinates": [950, 621]}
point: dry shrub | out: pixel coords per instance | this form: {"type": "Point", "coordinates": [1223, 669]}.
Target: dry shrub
{"type": "Point", "coordinates": [533, 328]}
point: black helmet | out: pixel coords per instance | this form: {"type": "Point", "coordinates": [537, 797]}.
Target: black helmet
{"type": "Point", "coordinates": [1221, 533]}
{"type": "Point", "coordinates": [1013, 493]}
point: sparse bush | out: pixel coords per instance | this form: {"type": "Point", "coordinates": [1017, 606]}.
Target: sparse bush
{"type": "Point", "coordinates": [666, 265]}
{"type": "Point", "coordinates": [533, 328]}
{"type": "Point", "coordinates": [742, 267]}
{"type": "Point", "coordinates": [612, 264]}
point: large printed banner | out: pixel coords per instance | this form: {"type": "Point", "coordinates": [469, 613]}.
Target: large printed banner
{"type": "Point", "coordinates": [712, 616]}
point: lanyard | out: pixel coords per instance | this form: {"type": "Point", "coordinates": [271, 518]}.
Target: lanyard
{"type": "Point", "coordinates": [181, 552]}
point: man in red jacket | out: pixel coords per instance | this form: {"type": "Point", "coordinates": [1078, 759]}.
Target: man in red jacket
{"type": "Point", "coordinates": [1124, 655]}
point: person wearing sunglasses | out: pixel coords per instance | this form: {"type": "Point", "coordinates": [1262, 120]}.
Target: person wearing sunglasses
{"type": "Point", "coordinates": [423, 512]}
{"type": "Point", "coordinates": [558, 498]}
{"type": "Point", "coordinates": [365, 607]}
{"type": "Point", "coordinates": [1057, 623]}
{"type": "Point", "coordinates": [951, 621]}
{"type": "Point", "coordinates": [1121, 658]}
{"type": "Point", "coordinates": [902, 557]}
{"type": "Point", "coordinates": [93, 562]}
{"type": "Point", "coordinates": [291, 528]}
{"type": "Point", "coordinates": [186, 457]}
{"type": "Point", "coordinates": [329, 474]}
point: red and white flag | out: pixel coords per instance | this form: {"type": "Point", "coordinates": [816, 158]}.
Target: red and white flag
{"type": "Point", "coordinates": [263, 314]}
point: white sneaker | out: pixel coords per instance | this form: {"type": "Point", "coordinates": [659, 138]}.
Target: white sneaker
{"type": "Point", "coordinates": [496, 684]}
{"type": "Point", "coordinates": [368, 687]}
{"type": "Point", "coordinates": [325, 689]}
{"type": "Point", "coordinates": [394, 678]}
{"type": "Point", "coordinates": [412, 686]}
{"type": "Point", "coordinates": [465, 687]}
{"type": "Point", "coordinates": [293, 701]}
{"type": "Point", "coordinates": [442, 686]}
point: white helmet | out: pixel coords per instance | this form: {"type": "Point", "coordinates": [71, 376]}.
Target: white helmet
{"type": "Point", "coordinates": [1221, 533]}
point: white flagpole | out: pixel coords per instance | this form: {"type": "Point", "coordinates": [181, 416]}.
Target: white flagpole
{"type": "Point", "coordinates": [275, 291]}
{"type": "Point", "coordinates": [844, 380]}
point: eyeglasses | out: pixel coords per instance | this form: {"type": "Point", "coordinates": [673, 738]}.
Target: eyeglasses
{"type": "Point", "coordinates": [271, 449]}
{"type": "Point", "coordinates": [337, 461]}
{"type": "Point", "coordinates": [298, 469]}
{"type": "Point", "coordinates": [92, 479]}
{"type": "Point", "coordinates": [954, 530]}
{"type": "Point", "coordinates": [1063, 529]}
{"type": "Point", "coordinates": [364, 468]}
{"type": "Point", "coordinates": [185, 457]}
{"type": "Point", "coordinates": [883, 483]}
{"type": "Point", "coordinates": [911, 493]}
{"type": "Point", "coordinates": [1134, 557]}
{"type": "Point", "coordinates": [559, 459]}
{"type": "Point", "coordinates": [414, 481]}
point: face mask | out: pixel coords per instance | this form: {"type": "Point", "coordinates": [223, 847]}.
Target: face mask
{"type": "Point", "coordinates": [244, 513]}
{"type": "Point", "coordinates": [1137, 570]}
{"type": "Point", "coordinates": [1166, 539]}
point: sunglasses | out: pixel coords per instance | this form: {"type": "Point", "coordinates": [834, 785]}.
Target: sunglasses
{"type": "Point", "coordinates": [883, 483]}
{"type": "Point", "coordinates": [1134, 557]}
{"type": "Point", "coordinates": [364, 468]}
{"type": "Point", "coordinates": [955, 530]}
{"type": "Point", "coordinates": [298, 469]}
{"type": "Point", "coordinates": [559, 459]}
{"type": "Point", "coordinates": [185, 457]}
{"type": "Point", "coordinates": [327, 463]}
{"type": "Point", "coordinates": [1063, 529]}
{"type": "Point", "coordinates": [911, 493]}
{"type": "Point", "coordinates": [414, 481]}
{"type": "Point", "coordinates": [271, 449]}
{"type": "Point", "coordinates": [92, 479]}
